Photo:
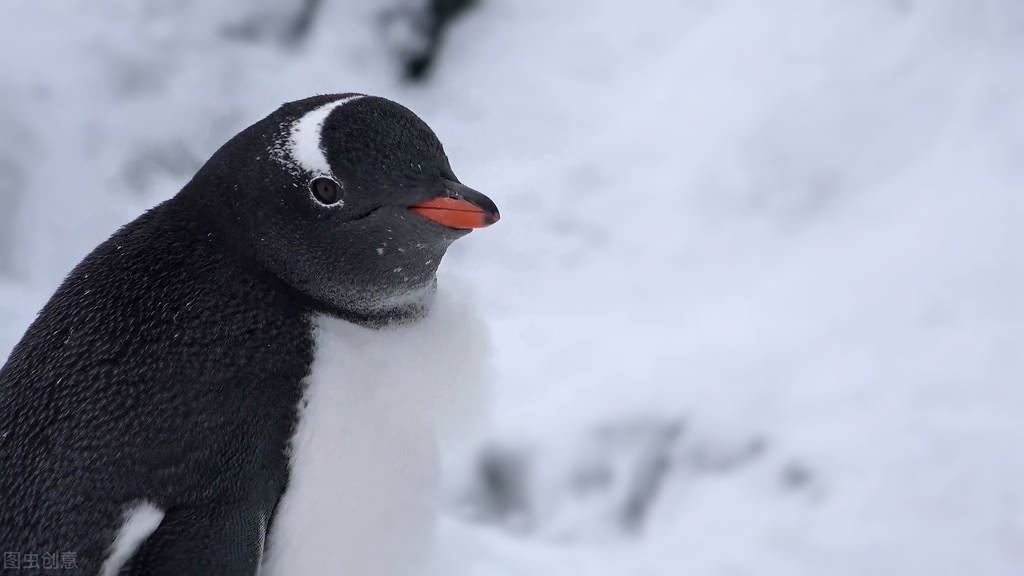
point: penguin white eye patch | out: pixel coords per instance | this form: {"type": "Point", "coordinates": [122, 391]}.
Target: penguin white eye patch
{"type": "Point", "coordinates": [304, 146]}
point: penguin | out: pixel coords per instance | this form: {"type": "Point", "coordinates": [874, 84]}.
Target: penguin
{"type": "Point", "coordinates": [247, 379]}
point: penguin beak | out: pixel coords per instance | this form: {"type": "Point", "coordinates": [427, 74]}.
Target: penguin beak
{"type": "Point", "coordinates": [459, 207]}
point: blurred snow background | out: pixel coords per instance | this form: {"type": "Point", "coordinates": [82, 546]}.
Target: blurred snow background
{"type": "Point", "coordinates": [758, 289]}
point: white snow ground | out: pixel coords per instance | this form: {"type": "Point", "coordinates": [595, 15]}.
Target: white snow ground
{"type": "Point", "coordinates": [765, 254]}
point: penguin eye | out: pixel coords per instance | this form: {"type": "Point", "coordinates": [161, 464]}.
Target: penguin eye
{"type": "Point", "coordinates": [325, 190]}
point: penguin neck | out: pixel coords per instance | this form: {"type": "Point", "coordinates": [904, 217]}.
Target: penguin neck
{"type": "Point", "coordinates": [407, 308]}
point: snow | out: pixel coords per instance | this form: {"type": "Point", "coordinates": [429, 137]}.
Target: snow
{"type": "Point", "coordinates": [789, 232]}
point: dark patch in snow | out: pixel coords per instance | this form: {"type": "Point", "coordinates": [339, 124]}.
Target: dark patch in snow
{"type": "Point", "coordinates": [798, 478]}
{"type": "Point", "coordinates": [419, 32]}
{"type": "Point", "coordinates": [173, 159]}
{"type": "Point", "coordinates": [415, 30]}
{"type": "Point", "coordinates": [499, 493]}
{"type": "Point", "coordinates": [609, 481]}
{"type": "Point", "coordinates": [652, 468]}
{"type": "Point", "coordinates": [286, 28]}
{"type": "Point", "coordinates": [12, 181]}
{"type": "Point", "coordinates": [715, 459]}
{"type": "Point", "coordinates": [16, 148]}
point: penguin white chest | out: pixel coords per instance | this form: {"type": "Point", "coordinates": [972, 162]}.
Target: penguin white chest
{"type": "Point", "coordinates": [364, 470]}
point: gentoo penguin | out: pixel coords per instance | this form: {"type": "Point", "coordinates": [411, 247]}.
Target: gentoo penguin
{"type": "Point", "coordinates": [243, 379]}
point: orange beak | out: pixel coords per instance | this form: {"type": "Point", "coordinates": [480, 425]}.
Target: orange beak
{"type": "Point", "coordinates": [463, 209]}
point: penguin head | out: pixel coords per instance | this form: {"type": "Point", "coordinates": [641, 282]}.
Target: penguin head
{"type": "Point", "coordinates": [348, 199]}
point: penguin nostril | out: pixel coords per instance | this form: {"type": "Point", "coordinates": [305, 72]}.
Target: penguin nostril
{"type": "Point", "coordinates": [326, 190]}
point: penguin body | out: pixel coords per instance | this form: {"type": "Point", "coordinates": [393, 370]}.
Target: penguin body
{"type": "Point", "coordinates": [376, 400]}
{"type": "Point", "coordinates": [187, 401]}
{"type": "Point", "coordinates": [128, 389]}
